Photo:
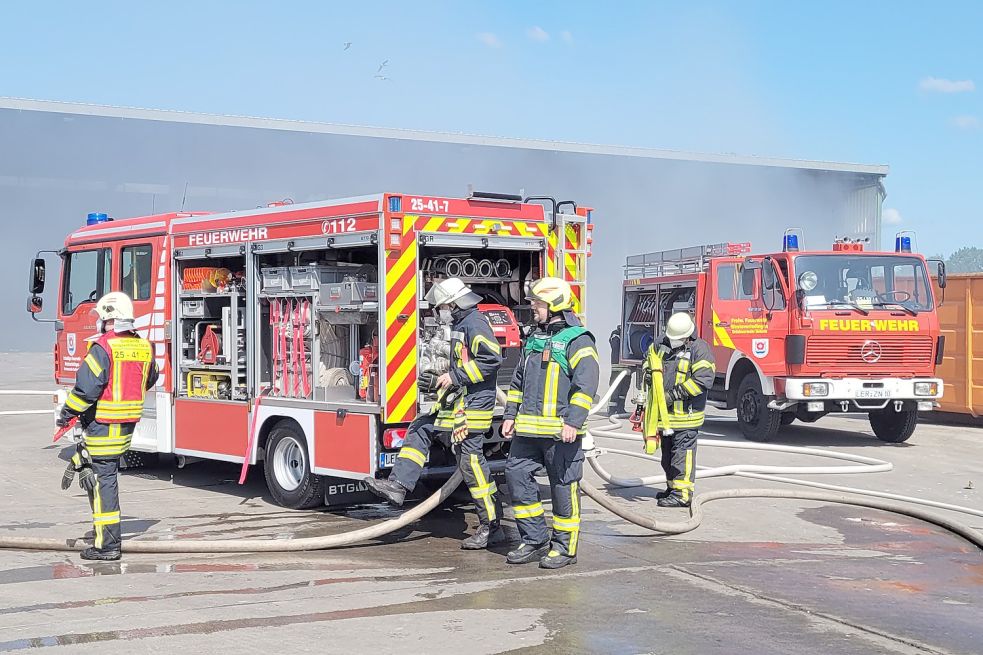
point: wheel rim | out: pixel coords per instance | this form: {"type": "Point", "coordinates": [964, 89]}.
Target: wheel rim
{"type": "Point", "coordinates": [289, 464]}
{"type": "Point", "coordinates": [750, 408]}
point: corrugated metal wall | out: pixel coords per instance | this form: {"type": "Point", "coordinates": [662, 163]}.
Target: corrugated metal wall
{"type": "Point", "coordinates": [862, 210]}
{"type": "Point", "coordinates": [56, 168]}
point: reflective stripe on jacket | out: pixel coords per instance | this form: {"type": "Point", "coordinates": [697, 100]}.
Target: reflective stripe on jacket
{"type": "Point", "coordinates": [476, 357]}
{"type": "Point", "coordinates": [690, 371]}
{"type": "Point", "coordinates": [545, 394]}
{"type": "Point", "coordinates": [111, 384]}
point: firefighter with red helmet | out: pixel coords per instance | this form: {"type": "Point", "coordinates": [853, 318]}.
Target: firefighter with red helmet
{"type": "Point", "coordinates": [108, 398]}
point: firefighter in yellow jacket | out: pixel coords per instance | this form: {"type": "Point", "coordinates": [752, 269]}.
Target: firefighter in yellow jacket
{"type": "Point", "coordinates": [108, 397]}
{"type": "Point", "coordinates": [675, 409]}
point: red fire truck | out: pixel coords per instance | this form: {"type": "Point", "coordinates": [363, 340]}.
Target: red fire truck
{"type": "Point", "coordinates": [293, 334]}
{"type": "Point", "coordinates": [799, 334]}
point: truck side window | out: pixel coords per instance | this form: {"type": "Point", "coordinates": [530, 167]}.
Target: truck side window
{"type": "Point", "coordinates": [87, 275]}
{"type": "Point", "coordinates": [137, 264]}
{"type": "Point", "coordinates": [742, 293]}
{"type": "Point", "coordinates": [775, 298]}
{"type": "Point", "coordinates": [727, 284]}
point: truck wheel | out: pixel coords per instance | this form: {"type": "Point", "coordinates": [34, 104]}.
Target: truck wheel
{"type": "Point", "coordinates": [893, 427]}
{"type": "Point", "coordinates": [287, 469]}
{"type": "Point", "coordinates": [788, 418]}
{"type": "Point", "coordinates": [757, 421]}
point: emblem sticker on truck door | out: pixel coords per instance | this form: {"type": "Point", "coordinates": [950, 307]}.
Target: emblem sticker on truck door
{"type": "Point", "coordinates": [759, 347]}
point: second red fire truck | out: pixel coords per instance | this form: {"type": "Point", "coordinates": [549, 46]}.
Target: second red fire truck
{"type": "Point", "coordinates": [799, 334]}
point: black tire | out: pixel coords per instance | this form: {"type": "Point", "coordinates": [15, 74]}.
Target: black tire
{"type": "Point", "coordinates": [758, 423]}
{"type": "Point", "coordinates": [287, 468]}
{"type": "Point", "coordinates": [788, 418]}
{"type": "Point", "coordinates": [893, 427]}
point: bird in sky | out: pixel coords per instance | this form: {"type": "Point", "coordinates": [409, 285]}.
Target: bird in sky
{"type": "Point", "coordinates": [382, 65]}
{"type": "Point", "coordinates": [382, 78]}
{"type": "Point", "coordinates": [348, 44]}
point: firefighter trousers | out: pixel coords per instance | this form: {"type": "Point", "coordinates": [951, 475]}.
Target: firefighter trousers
{"type": "Point", "coordinates": [104, 501]}
{"type": "Point", "coordinates": [679, 462]}
{"type": "Point", "coordinates": [470, 460]}
{"type": "Point", "coordinates": [564, 463]}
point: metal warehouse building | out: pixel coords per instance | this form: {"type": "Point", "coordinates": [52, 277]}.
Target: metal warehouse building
{"type": "Point", "coordinates": [60, 161]}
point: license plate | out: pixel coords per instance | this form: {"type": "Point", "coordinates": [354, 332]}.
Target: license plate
{"type": "Point", "coordinates": [388, 460]}
{"type": "Point", "coordinates": [873, 393]}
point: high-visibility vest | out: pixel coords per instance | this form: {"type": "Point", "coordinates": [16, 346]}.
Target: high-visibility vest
{"type": "Point", "coordinates": [130, 359]}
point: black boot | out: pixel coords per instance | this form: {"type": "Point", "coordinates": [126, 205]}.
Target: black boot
{"type": "Point", "coordinates": [101, 555]}
{"type": "Point", "coordinates": [665, 493]}
{"type": "Point", "coordinates": [391, 490]}
{"type": "Point", "coordinates": [485, 535]}
{"type": "Point", "coordinates": [556, 560]}
{"type": "Point", "coordinates": [673, 500]}
{"type": "Point", "coordinates": [526, 553]}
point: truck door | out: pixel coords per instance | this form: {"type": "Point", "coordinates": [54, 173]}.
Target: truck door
{"type": "Point", "coordinates": [87, 274]}
{"type": "Point", "coordinates": [745, 317]}
{"type": "Point", "coordinates": [140, 275]}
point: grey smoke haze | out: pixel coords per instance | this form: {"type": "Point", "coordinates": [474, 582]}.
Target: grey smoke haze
{"type": "Point", "coordinates": [56, 168]}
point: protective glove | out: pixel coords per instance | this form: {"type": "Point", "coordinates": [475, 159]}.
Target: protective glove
{"type": "Point", "coordinates": [63, 420]}
{"type": "Point", "coordinates": [427, 381]}
{"type": "Point", "coordinates": [675, 394]}
{"type": "Point", "coordinates": [87, 478]}
{"type": "Point", "coordinates": [68, 476]}
{"type": "Point", "coordinates": [460, 431]}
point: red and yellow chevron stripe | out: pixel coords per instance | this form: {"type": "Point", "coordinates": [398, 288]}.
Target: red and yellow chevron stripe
{"type": "Point", "coordinates": [401, 284]}
{"type": "Point", "coordinates": [479, 226]}
{"type": "Point", "coordinates": [574, 266]}
{"type": "Point", "coordinates": [401, 328]}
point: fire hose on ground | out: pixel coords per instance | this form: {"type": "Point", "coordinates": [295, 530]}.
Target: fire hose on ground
{"type": "Point", "coordinates": [844, 495]}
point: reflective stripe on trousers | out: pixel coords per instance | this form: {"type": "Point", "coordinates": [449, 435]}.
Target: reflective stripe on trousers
{"type": "Point", "coordinates": [564, 463]}
{"type": "Point", "coordinates": [104, 501]}
{"type": "Point", "coordinates": [679, 462]}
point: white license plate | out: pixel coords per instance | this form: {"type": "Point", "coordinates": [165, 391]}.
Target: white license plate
{"type": "Point", "coordinates": [388, 460]}
{"type": "Point", "coordinates": [873, 393]}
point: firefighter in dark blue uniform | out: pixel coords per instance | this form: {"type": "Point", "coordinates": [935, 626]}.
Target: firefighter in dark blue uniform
{"type": "Point", "coordinates": [463, 411]}
{"type": "Point", "coordinates": [546, 416]}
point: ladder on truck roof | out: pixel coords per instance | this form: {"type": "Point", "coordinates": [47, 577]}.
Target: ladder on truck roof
{"type": "Point", "coordinates": [568, 241]}
{"type": "Point", "coordinates": [680, 261]}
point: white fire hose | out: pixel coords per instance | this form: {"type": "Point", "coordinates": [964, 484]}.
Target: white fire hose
{"type": "Point", "coordinates": [845, 495]}
{"type": "Point", "coordinates": [848, 496]}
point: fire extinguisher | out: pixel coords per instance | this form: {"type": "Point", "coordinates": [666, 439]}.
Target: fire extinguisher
{"type": "Point", "coordinates": [368, 377]}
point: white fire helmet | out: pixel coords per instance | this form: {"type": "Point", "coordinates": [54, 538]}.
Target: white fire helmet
{"type": "Point", "coordinates": [680, 327]}
{"type": "Point", "coordinates": [452, 291]}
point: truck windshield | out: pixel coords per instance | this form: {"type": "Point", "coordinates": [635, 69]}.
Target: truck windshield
{"type": "Point", "coordinates": [862, 282]}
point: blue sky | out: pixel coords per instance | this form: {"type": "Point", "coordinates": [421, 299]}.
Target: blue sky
{"type": "Point", "coordinates": [874, 82]}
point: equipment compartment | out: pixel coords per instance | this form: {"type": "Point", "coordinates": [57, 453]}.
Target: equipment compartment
{"type": "Point", "coordinates": [318, 328]}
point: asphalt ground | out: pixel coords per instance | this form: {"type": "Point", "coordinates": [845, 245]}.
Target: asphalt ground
{"type": "Point", "coordinates": [760, 576]}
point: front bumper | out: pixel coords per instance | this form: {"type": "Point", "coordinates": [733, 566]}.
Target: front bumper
{"type": "Point", "coordinates": [860, 393]}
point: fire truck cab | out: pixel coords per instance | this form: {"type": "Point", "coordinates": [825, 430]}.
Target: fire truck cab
{"type": "Point", "coordinates": [293, 334]}
{"type": "Point", "coordinates": [799, 334]}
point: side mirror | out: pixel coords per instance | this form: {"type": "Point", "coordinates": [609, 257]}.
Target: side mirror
{"type": "Point", "coordinates": [37, 277]}
{"type": "Point", "coordinates": [35, 304]}
{"type": "Point", "coordinates": [942, 276]}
